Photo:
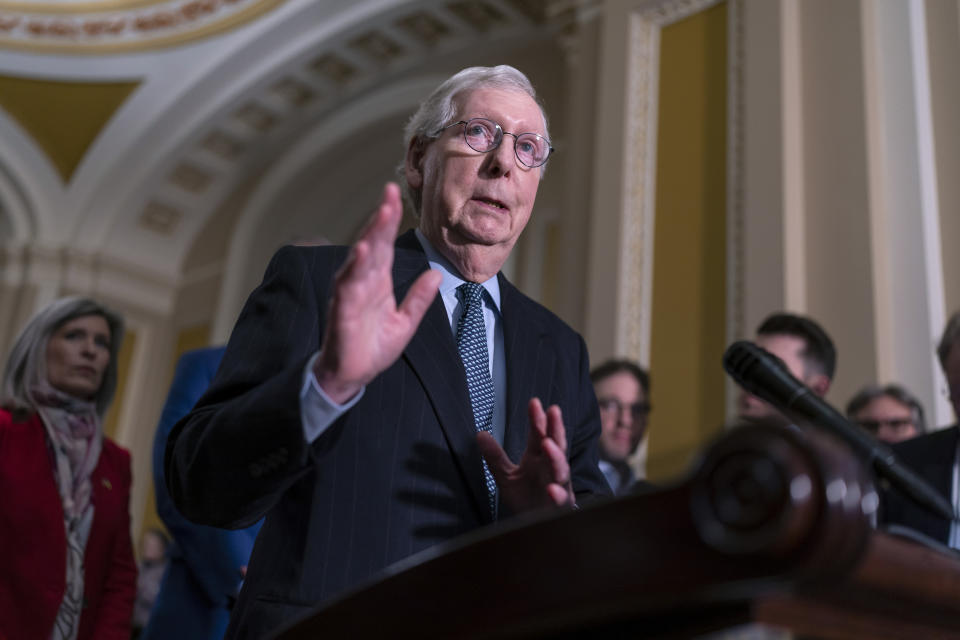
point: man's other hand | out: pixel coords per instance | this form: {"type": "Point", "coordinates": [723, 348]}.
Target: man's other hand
{"type": "Point", "coordinates": [542, 478]}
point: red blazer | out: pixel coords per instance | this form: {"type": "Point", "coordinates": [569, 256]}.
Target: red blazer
{"type": "Point", "coordinates": [33, 543]}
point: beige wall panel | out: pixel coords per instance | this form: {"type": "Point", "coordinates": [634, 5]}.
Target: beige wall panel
{"type": "Point", "coordinates": [838, 268]}
{"type": "Point", "coordinates": [943, 35]}
{"type": "Point", "coordinates": [610, 129]}
{"type": "Point", "coordinates": [907, 265]}
{"type": "Point", "coordinates": [762, 269]}
{"type": "Point", "coordinates": [145, 389]}
{"type": "Point", "coordinates": [15, 307]}
{"type": "Point", "coordinates": [567, 294]}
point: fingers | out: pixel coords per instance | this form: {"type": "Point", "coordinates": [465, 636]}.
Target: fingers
{"type": "Point", "coordinates": [383, 233]}
{"type": "Point", "coordinates": [548, 440]}
{"type": "Point", "coordinates": [374, 247]}
{"type": "Point", "coordinates": [560, 495]}
{"type": "Point", "coordinates": [424, 289]}
{"type": "Point", "coordinates": [559, 468]}
{"type": "Point", "coordinates": [538, 420]}
{"type": "Point", "coordinates": [497, 459]}
{"type": "Point", "coordinates": [546, 424]}
{"type": "Point", "coordinates": [382, 226]}
{"type": "Point", "coordinates": [371, 257]}
{"type": "Point", "coordinates": [555, 430]}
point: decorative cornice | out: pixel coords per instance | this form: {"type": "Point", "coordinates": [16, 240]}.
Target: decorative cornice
{"type": "Point", "coordinates": [636, 251]}
{"type": "Point", "coordinates": [120, 26]}
{"type": "Point", "coordinates": [70, 270]}
{"type": "Point", "coordinates": [310, 88]}
{"type": "Point", "coordinates": [664, 12]}
{"type": "Point", "coordinates": [736, 172]}
{"type": "Point", "coordinates": [76, 7]}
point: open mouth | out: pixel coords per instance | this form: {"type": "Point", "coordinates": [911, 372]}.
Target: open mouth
{"type": "Point", "coordinates": [491, 202]}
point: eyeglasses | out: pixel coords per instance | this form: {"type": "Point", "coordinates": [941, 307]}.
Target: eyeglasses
{"type": "Point", "coordinates": [638, 410]}
{"type": "Point", "coordinates": [894, 423]}
{"type": "Point", "coordinates": [483, 135]}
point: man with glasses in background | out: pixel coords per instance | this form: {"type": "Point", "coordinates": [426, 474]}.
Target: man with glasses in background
{"type": "Point", "coordinates": [623, 393]}
{"type": "Point", "coordinates": [890, 413]}
{"type": "Point", "coordinates": [369, 418]}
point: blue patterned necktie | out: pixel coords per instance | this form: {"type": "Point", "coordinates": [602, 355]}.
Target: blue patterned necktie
{"type": "Point", "coordinates": [472, 344]}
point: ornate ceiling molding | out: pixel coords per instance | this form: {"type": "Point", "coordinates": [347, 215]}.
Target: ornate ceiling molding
{"type": "Point", "coordinates": [242, 110]}
{"type": "Point", "coordinates": [297, 95]}
{"type": "Point", "coordinates": [112, 26]}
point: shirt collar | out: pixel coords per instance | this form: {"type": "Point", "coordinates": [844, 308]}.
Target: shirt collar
{"type": "Point", "coordinates": [451, 277]}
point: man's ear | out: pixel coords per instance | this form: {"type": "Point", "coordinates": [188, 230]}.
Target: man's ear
{"type": "Point", "coordinates": [819, 383]}
{"type": "Point", "coordinates": [413, 166]}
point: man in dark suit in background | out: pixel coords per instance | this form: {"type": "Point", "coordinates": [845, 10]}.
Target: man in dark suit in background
{"type": "Point", "coordinates": [934, 456]}
{"type": "Point", "coordinates": [370, 418]}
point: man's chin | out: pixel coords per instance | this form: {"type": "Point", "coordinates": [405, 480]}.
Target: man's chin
{"type": "Point", "coordinates": [490, 235]}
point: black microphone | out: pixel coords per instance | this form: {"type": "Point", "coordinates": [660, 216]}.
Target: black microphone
{"type": "Point", "coordinates": [765, 376]}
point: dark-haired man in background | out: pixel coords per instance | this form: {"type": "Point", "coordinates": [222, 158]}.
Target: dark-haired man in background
{"type": "Point", "coordinates": [623, 393]}
{"type": "Point", "coordinates": [805, 349]}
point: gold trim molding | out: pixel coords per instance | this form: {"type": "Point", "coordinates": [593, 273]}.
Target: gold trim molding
{"type": "Point", "coordinates": [115, 26]}
{"type": "Point", "coordinates": [81, 6]}
{"type": "Point", "coordinates": [635, 284]}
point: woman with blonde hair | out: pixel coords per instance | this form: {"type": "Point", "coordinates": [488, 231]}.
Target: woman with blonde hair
{"type": "Point", "coordinates": [67, 569]}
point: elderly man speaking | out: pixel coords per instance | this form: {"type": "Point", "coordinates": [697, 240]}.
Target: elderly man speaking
{"type": "Point", "coordinates": [369, 418]}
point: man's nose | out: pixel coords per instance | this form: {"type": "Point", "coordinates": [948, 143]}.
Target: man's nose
{"type": "Point", "coordinates": [502, 160]}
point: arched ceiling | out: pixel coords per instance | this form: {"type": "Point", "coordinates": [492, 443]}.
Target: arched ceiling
{"type": "Point", "coordinates": [212, 98]}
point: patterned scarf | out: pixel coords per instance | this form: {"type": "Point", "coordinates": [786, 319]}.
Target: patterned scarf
{"type": "Point", "coordinates": [74, 439]}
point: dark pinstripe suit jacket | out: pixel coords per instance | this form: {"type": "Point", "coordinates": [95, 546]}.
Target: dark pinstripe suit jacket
{"type": "Point", "coordinates": [397, 474]}
{"type": "Point", "coordinates": [931, 456]}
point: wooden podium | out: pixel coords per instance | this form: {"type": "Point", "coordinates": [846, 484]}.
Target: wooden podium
{"type": "Point", "coordinates": [772, 526]}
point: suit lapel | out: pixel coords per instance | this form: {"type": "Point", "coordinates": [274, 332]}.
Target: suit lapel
{"type": "Point", "coordinates": [530, 365]}
{"type": "Point", "coordinates": [433, 356]}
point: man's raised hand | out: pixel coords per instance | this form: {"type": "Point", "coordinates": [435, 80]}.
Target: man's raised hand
{"type": "Point", "coordinates": [366, 331]}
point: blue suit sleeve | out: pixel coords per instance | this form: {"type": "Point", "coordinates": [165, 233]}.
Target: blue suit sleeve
{"type": "Point", "coordinates": [213, 556]}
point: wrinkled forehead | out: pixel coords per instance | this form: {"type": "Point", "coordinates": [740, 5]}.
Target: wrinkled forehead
{"type": "Point", "coordinates": [511, 108]}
